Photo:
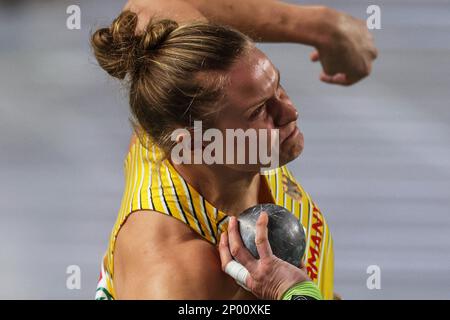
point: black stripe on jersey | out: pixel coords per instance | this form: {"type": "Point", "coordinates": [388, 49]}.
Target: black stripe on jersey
{"type": "Point", "coordinates": [162, 191]}
{"type": "Point", "coordinates": [193, 208]}
{"type": "Point", "coordinates": [150, 190]}
{"type": "Point", "coordinates": [150, 169]}
{"type": "Point", "coordinates": [207, 219]}
{"type": "Point", "coordinates": [176, 195]}
{"type": "Point", "coordinates": [140, 193]}
{"type": "Point", "coordinates": [220, 221]}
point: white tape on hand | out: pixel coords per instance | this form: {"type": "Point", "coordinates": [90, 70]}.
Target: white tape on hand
{"type": "Point", "coordinates": [238, 272]}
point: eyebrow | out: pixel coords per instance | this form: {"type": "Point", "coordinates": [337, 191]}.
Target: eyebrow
{"type": "Point", "coordinates": [265, 99]}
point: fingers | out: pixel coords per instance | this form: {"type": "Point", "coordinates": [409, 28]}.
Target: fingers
{"type": "Point", "coordinates": [373, 52]}
{"type": "Point", "coordinates": [224, 250]}
{"type": "Point", "coordinates": [237, 248]}
{"type": "Point", "coordinates": [234, 269]}
{"type": "Point", "coordinates": [314, 56]}
{"type": "Point", "coordinates": [338, 78]}
{"type": "Point", "coordinates": [262, 238]}
{"type": "Point", "coordinates": [302, 265]}
{"type": "Point", "coordinates": [238, 272]}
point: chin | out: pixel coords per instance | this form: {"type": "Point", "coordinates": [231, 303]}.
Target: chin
{"type": "Point", "coordinates": [292, 150]}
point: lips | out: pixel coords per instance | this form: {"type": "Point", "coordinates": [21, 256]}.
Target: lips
{"type": "Point", "coordinates": [293, 131]}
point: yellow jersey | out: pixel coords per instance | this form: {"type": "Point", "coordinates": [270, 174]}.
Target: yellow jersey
{"type": "Point", "coordinates": [154, 185]}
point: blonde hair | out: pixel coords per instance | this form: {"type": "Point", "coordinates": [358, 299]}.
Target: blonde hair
{"type": "Point", "coordinates": [176, 73]}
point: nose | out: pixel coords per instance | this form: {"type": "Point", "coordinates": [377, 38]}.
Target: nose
{"type": "Point", "coordinates": [284, 112]}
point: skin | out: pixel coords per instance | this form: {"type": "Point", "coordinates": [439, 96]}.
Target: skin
{"type": "Point", "coordinates": [145, 263]}
{"type": "Point", "coordinates": [158, 257]}
{"type": "Point", "coordinates": [233, 188]}
{"type": "Point", "coordinates": [341, 43]}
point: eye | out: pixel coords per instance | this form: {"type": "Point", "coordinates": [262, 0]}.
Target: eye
{"type": "Point", "coordinates": [258, 111]}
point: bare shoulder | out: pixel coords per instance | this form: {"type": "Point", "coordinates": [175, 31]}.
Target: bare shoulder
{"type": "Point", "coordinates": [152, 229]}
{"type": "Point", "coordinates": [159, 257]}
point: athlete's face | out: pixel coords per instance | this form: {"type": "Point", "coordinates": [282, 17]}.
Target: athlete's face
{"type": "Point", "coordinates": [255, 99]}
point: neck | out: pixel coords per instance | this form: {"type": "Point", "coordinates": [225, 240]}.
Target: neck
{"type": "Point", "coordinates": [229, 190]}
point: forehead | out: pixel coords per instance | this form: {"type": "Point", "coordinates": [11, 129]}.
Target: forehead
{"type": "Point", "coordinates": [252, 77]}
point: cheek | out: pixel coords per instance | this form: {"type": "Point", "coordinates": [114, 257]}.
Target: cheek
{"type": "Point", "coordinates": [264, 122]}
{"type": "Point", "coordinates": [231, 121]}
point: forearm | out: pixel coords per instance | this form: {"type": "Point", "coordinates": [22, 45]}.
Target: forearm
{"type": "Point", "coordinates": [268, 20]}
{"type": "Point", "coordinates": [343, 44]}
{"type": "Point", "coordinates": [263, 20]}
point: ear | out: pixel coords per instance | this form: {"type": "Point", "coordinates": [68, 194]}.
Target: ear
{"type": "Point", "coordinates": [192, 135]}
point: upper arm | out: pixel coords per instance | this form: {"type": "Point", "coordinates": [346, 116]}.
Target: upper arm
{"type": "Point", "coordinates": [192, 273]}
{"type": "Point", "coordinates": [155, 259]}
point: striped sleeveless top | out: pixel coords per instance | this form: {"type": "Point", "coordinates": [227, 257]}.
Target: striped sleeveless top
{"type": "Point", "coordinates": [149, 186]}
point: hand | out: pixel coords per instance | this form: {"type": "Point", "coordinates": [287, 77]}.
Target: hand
{"type": "Point", "coordinates": [269, 277]}
{"type": "Point", "coordinates": [347, 52]}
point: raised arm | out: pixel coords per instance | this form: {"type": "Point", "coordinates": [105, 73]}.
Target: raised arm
{"type": "Point", "coordinates": [342, 43]}
{"type": "Point", "coordinates": [263, 20]}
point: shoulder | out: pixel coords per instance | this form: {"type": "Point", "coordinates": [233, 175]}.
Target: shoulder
{"type": "Point", "coordinates": [152, 230]}
{"type": "Point", "coordinates": [159, 257]}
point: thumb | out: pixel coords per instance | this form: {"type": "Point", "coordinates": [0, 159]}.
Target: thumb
{"type": "Point", "coordinates": [302, 264]}
{"type": "Point", "coordinates": [314, 56]}
{"type": "Point", "coordinates": [338, 78]}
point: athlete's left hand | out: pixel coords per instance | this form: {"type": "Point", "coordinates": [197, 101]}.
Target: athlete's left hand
{"type": "Point", "coordinates": [269, 276]}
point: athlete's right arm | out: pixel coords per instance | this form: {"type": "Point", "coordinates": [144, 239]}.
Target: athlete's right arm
{"type": "Point", "coordinates": [343, 44]}
{"type": "Point", "coordinates": [159, 257]}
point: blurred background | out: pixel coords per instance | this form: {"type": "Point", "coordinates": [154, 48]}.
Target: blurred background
{"type": "Point", "coordinates": [376, 158]}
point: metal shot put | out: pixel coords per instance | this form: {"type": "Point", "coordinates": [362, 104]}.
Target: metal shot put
{"type": "Point", "coordinates": [286, 234]}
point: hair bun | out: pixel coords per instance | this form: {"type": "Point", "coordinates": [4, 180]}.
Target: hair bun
{"type": "Point", "coordinates": [118, 49]}
{"type": "Point", "coordinates": [114, 46]}
{"type": "Point", "coordinates": [156, 33]}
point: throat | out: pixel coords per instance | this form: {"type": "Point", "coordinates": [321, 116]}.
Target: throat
{"type": "Point", "coordinates": [265, 195]}
{"type": "Point", "coordinates": [228, 191]}
{"type": "Point", "coordinates": [259, 192]}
